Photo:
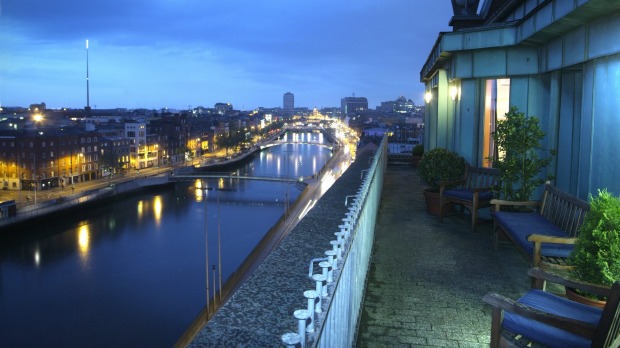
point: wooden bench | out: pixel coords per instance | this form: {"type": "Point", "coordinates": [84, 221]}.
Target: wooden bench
{"type": "Point", "coordinates": [473, 191]}
{"type": "Point", "coordinates": [547, 236]}
{"type": "Point", "coordinates": [542, 319]}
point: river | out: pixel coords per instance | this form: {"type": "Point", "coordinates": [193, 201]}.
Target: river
{"type": "Point", "coordinates": [133, 273]}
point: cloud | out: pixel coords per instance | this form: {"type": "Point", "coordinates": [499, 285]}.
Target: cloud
{"type": "Point", "coordinates": [222, 50]}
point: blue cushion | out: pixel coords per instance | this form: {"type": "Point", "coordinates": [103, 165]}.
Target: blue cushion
{"type": "Point", "coordinates": [468, 195]}
{"type": "Point", "coordinates": [548, 335]}
{"type": "Point", "coordinates": [521, 225]}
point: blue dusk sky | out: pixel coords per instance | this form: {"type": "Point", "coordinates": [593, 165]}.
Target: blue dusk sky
{"type": "Point", "coordinates": [182, 53]}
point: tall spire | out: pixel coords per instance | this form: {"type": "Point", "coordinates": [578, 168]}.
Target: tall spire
{"type": "Point", "coordinates": [87, 82]}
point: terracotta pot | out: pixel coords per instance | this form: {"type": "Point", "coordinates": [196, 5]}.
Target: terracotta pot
{"type": "Point", "coordinates": [432, 204]}
{"type": "Point", "coordinates": [572, 295]}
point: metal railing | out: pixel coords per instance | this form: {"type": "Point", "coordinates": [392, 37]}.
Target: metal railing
{"type": "Point", "coordinates": [334, 305]}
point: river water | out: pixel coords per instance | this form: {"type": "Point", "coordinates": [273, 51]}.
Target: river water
{"type": "Point", "coordinates": [133, 273]}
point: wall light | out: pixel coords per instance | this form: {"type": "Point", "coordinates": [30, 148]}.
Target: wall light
{"type": "Point", "coordinates": [428, 96]}
{"type": "Point", "coordinates": [453, 92]}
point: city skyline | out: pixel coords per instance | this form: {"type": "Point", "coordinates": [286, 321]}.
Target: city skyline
{"type": "Point", "coordinates": [168, 54]}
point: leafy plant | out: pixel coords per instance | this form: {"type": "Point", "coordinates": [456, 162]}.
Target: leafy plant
{"type": "Point", "coordinates": [440, 164]}
{"type": "Point", "coordinates": [418, 150]}
{"type": "Point", "coordinates": [596, 256]}
{"type": "Point", "coordinates": [517, 138]}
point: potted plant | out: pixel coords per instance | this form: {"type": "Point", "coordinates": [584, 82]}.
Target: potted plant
{"type": "Point", "coordinates": [439, 164]}
{"type": "Point", "coordinates": [416, 155]}
{"type": "Point", "coordinates": [517, 156]}
{"type": "Point", "coordinates": [596, 257]}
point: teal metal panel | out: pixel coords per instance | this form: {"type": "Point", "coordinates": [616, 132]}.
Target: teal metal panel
{"type": "Point", "coordinates": [528, 27]}
{"type": "Point", "coordinates": [554, 54]}
{"type": "Point", "coordinates": [481, 39]}
{"type": "Point", "coordinates": [585, 152]}
{"type": "Point", "coordinates": [443, 103]}
{"type": "Point", "coordinates": [468, 120]}
{"type": "Point", "coordinates": [566, 136]}
{"type": "Point", "coordinates": [575, 46]}
{"type": "Point", "coordinates": [530, 5]}
{"type": "Point", "coordinates": [508, 36]}
{"type": "Point", "coordinates": [452, 42]}
{"type": "Point", "coordinates": [463, 65]}
{"type": "Point", "coordinates": [538, 93]}
{"type": "Point", "coordinates": [544, 16]}
{"type": "Point", "coordinates": [600, 36]}
{"type": "Point", "coordinates": [562, 8]}
{"type": "Point", "coordinates": [606, 125]}
{"type": "Point", "coordinates": [489, 63]}
{"type": "Point", "coordinates": [518, 92]}
{"type": "Point", "coordinates": [522, 60]}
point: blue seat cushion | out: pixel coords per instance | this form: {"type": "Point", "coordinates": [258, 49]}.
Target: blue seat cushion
{"type": "Point", "coordinates": [468, 195]}
{"type": "Point", "coordinates": [521, 225]}
{"type": "Point", "coordinates": [548, 335]}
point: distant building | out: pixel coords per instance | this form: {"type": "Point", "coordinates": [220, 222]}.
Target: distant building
{"type": "Point", "coordinates": [288, 102]}
{"type": "Point", "coordinates": [40, 160]}
{"type": "Point", "coordinates": [223, 108]}
{"type": "Point", "coordinates": [115, 154]}
{"type": "Point", "coordinates": [350, 105]}
{"type": "Point", "coordinates": [136, 132]}
{"type": "Point", "coordinates": [401, 105]}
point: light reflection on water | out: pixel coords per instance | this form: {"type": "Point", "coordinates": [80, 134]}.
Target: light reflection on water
{"type": "Point", "coordinates": [133, 272]}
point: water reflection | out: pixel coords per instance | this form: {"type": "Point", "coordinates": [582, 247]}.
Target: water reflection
{"type": "Point", "coordinates": [140, 209]}
{"type": "Point", "coordinates": [157, 208]}
{"type": "Point", "coordinates": [83, 239]}
{"type": "Point", "coordinates": [37, 257]}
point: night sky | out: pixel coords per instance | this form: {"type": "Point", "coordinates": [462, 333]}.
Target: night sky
{"type": "Point", "coordinates": [181, 53]}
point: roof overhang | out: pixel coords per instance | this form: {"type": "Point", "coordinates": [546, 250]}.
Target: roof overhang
{"type": "Point", "coordinates": [546, 22]}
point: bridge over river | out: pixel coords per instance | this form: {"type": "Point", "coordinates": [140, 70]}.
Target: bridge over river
{"type": "Point", "coordinates": [199, 176]}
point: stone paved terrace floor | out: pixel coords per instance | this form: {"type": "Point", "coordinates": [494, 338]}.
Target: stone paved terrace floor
{"type": "Point", "coordinates": [427, 278]}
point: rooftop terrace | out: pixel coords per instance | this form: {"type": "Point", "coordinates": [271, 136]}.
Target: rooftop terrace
{"type": "Point", "coordinates": [427, 279]}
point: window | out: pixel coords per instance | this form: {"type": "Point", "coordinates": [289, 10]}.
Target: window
{"type": "Point", "coordinates": [496, 105]}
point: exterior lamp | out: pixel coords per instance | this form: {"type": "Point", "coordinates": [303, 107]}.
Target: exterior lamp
{"type": "Point", "coordinates": [428, 96]}
{"type": "Point", "coordinates": [453, 92]}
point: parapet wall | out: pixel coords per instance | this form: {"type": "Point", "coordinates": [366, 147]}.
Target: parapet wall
{"type": "Point", "coordinates": [262, 308]}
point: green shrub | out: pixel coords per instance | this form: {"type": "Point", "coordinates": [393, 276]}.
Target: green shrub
{"type": "Point", "coordinates": [596, 256]}
{"type": "Point", "coordinates": [517, 138]}
{"type": "Point", "coordinates": [418, 150]}
{"type": "Point", "coordinates": [440, 164]}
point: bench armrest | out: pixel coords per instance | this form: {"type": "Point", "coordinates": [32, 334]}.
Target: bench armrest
{"type": "Point", "coordinates": [498, 203]}
{"type": "Point", "coordinates": [597, 289]}
{"type": "Point", "coordinates": [538, 239]}
{"type": "Point", "coordinates": [541, 238]}
{"type": "Point", "coordinates": [572, 325]}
